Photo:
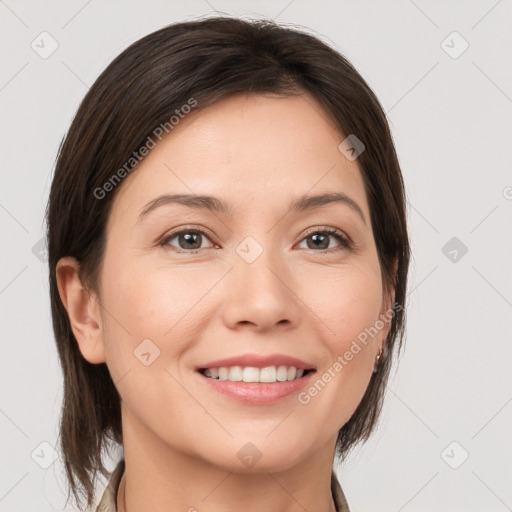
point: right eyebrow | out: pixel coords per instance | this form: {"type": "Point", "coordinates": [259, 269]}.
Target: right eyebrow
{"type": "Point", "coordinates": [211, 203]}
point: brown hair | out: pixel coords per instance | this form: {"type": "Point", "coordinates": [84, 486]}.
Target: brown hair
{"type": "Point", "coordinates": [208, 60]}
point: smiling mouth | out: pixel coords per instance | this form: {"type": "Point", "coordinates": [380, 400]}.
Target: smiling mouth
{"type": "Point", "coordinates": [248, 374]}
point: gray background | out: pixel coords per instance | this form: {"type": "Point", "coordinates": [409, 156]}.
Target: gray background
{"type": "Point", "coordinates": [451, 119]}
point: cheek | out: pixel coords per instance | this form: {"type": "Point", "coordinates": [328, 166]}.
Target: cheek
{"type": "Point", "coordinates": [347, 306]}
{"type": "Point", "coordinates": [148, 327]}
{"type": "Point", "coordinates": [346, 300]}
{"type": "Point", "coordinates": [150, 303]}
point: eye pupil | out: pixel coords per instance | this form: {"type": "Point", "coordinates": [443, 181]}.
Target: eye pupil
{"type": "Point", "coordinates": [318, 237]}
{"type": "Point", "coordinates": [190, 238]}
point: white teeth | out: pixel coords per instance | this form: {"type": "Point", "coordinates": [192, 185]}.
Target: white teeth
{"type": "Point", "coordinates": [251, 374]}
{"type": "Point", "coordinates": [282, 374]}
{"type": "Point", "coordinates": [268, 374]}
{"type": "Point", "coordinates": [235, 374]}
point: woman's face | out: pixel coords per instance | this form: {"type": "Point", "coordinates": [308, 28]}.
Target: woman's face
{"type": "Point", "coordinates": [259, 278]}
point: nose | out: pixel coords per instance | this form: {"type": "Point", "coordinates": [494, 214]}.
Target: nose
{"type": "Point", "coordinates": [261, 295]}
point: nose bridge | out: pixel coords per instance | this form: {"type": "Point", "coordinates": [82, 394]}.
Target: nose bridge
{"type": "Point", "coordinates": [259, 266]}
{"type": "Point", "coordinates": [261, 292]}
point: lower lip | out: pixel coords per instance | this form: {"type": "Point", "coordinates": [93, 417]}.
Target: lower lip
{"type": "Point", "coordinates": [257, 392]}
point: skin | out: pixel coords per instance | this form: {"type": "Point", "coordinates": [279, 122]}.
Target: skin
{"type": "Point", "coordinates": [180, 437]}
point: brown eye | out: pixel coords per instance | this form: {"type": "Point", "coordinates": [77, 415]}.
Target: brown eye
{"type": "Point", "coordinates": [320, 240]}
{"type": "Point", "coordinates": [188, 240]}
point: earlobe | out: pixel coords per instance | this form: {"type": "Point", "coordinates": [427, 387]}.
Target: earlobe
{"type": "Point", "coordinates": [83, 310]}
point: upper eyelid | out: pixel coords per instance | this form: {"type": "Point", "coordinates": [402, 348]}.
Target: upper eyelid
{"type": "Point", "coordinates": [327, 229]}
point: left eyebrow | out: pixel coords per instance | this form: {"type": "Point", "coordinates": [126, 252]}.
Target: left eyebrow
{"type": "Point", "coordinates": [215, 204]}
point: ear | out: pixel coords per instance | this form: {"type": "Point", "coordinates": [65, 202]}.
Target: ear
{"type": "Point", "coordinates": [83, 310]}
{"type": "Point", "coordinates": [388, 309]}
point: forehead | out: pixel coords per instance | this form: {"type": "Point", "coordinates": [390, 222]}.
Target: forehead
{"type": "Point", "coordinates": [254, 149]}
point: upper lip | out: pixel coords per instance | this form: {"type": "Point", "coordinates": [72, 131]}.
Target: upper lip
{"type": "Point", "coordinates": [259, 361]}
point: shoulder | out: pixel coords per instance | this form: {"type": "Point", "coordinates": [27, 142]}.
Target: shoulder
{"type": "Point", "coordinates": [338, 494]}
{"type": "Point", "coordinates": [108, 502]}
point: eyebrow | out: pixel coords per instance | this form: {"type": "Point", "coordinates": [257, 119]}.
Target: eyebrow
{"type": "Point", "coordinates": [217, 205]}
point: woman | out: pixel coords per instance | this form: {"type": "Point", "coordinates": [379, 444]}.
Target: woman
{"type": "Point", "coordinates": [228, 258]}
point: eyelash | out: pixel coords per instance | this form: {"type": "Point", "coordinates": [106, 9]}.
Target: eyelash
{"type": "Point", "coordinates": [345, 242]}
